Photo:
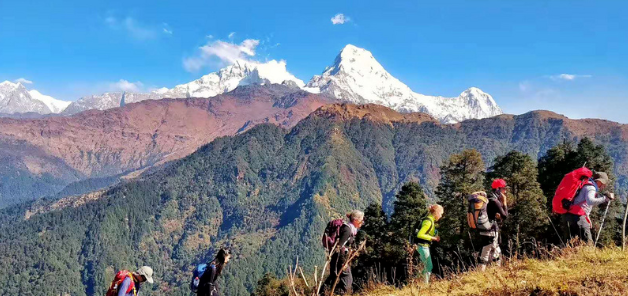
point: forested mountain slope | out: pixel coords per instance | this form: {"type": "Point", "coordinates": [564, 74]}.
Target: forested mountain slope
{"type": "Point", "coordinates": [266, 193]}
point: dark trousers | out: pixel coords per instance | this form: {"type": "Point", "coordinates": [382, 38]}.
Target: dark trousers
{"type": "Point", "coordinates": [345, 278]}
{"type": "Point", "coordinates": [576, 226]}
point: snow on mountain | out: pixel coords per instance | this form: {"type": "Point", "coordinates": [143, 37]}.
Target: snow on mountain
{"type": "Point", "coordinates": [357, 77]}
{"type": "Point", "coordinates": [55, 106]}
{"type": "Point", "coordinates": [228, 78]}
{"type": "Point", "coordinates": [15, 98]}
{"type": "Point", "coordinates": [107, 101]}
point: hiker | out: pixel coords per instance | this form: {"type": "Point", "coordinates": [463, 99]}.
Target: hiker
{"type": "Point", "coordinates": [126, 283]}
{"type": "Point", "coordinates": [496, 210]}
{"type": "Point", "coordinates": [576, 222]}
{"type": "Point", "coordinates": [207, 284]}
{"type": "Point", "coordinates": [343, 241]}
{"type": "Point", "coordinates": [428, 234]}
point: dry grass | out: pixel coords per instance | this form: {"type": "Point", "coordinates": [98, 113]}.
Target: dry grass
{"type": "Point", "coordinates": [572, 271]}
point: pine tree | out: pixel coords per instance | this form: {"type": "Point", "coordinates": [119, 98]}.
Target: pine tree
{"type": "Point", "coordinates": [461, 176]}
{"type": "Point", "coordinates": [410, 208]}
{"type": "Point", "coordinates": [527, 217]}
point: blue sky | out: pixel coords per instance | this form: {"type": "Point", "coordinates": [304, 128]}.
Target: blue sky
{"type": "Point", "coordinates": [514, 50]}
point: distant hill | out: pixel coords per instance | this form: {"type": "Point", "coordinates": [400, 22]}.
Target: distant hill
{"type": "Point", "coordinates": [267, 193]}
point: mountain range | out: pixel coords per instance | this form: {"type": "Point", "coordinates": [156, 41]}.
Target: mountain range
{"type": "Point", "coordinates": [267, 192]}
{"type": "Point", "coordinates": [42, 157]}
{"type": "Point", "coordinates": [355, 76]}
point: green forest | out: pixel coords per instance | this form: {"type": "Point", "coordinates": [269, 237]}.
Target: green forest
{"type": "Point", "coordinates": [268, 193]}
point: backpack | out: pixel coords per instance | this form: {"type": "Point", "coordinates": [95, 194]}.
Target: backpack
{"type": "Point", "coordinates": [568, 189]}
{"type": "Point", "coordinates": [332, 231]}
{"type": "Point", "coordinates": [117, 282]}
{"type": "Point", "coordinates": [477, 216]}
{"type": "Point", "coordinates": [197, 273]}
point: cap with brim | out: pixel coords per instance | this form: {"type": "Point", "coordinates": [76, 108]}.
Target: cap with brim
{"type": "Point", "coordinates": [601, 177]}
{"type": "Point", "coordinates": [147, 272]}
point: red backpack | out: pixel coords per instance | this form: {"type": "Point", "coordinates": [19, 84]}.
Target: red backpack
{"type": "Point", "coordinates": [117, 282]}
{"type": "Point", "coordinates": [568, 189]}
{"type": "Point", "coordinates": [331, 233]}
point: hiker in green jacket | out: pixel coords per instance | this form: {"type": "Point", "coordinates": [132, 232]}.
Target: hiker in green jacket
{"type": "Point", "coordinates": [427, 235]}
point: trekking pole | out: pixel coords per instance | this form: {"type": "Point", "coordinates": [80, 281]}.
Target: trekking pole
{"type": "Point", "coordinates": [623, 229]}
{"type": "Point", "coordinates": [608, 205]}
{"type": "Point", "coordinates": [558, 234]}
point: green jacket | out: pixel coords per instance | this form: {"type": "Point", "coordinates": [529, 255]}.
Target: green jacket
{"type": "Point", "coordinates": [427, 231]}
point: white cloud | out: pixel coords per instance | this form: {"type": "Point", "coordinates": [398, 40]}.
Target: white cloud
{"type": "Point", "coordinates": [23, 81]}
{"type": "Point", "coordinates": [340, 19]}
{"type": "Point", "coordinates": [223, 52]}
{"type": "Point", "coordinates": [124, 85]}
{"type": "Point", "coordinates": [134, 28]}
{"type": "Point", "coordinates": [210, 36]}
{"type": "Point", "coordinates": [231, 35]}
{"type": "Point", "coordinates": [568, 77]}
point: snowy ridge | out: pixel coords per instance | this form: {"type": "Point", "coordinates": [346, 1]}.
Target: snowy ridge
{"type": "Point", "coordinates": [230, 77]}
{"type": "Point", "coordinates": [107, 101]}
{"type": "Point", "coordinates": [55, 106]}
{"type": "Point", "coordinates": [357, 77]}
{"type": "Point", "coordinates": [15, 98]}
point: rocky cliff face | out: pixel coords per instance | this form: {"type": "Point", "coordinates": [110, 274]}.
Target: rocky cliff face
{"type": "Point", "coordinates": [121, 140]}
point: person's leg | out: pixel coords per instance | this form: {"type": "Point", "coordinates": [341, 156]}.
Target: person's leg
{"type": "Point", "coordinates": [485, 254]}
{"type": "Point", "coordinates": [345, 284]}
{"type": "Point", "coordinates": [426, 259]}
{"type": "Point", "coordinates": [333, 267]}
{"type": "Point", "coordinates": [585, 230]}
{"type": "Point", "coordinates": [496, 252]}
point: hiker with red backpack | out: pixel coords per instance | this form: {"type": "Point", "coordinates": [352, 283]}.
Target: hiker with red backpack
{"type": "Point", "coordinates": [575, 197]}
{"type": "Point", "coordinates": [496, 211]}
{"type": "Point", "coordinates": [207, 281]}
{"type": "Point", "coordinates": [426, 235]}
{"type": "Point", "coordinates": [126, 283]}
{"type": "Point", "coordinates": [337, 239]}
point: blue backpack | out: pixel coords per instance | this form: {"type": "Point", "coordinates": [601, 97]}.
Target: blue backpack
{"type": "Point", "coordinates": [196, 277]}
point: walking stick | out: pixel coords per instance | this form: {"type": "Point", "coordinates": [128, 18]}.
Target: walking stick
{"type": "Point", "coordinates": [623, 232]}
{"type": "Point", "coordinates": [608, 205]}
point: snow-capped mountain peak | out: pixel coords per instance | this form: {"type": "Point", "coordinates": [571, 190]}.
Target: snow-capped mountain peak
{"type": "Point", "coordinates": [15, 98]}
{"type": "Point", "coordinates": [242, 72]}
{"type": "Point", "coordinates": [356, 76]}
{"type": "Point", "coordinates": [55, 106]}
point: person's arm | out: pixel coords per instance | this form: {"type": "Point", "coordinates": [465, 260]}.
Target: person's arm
{"type": "Point", "coordinates": [124, 286]}
{"type": "Point", "coordinates": [502, 209]}
{"type": "Point", "coordinates": [344, 236]}
{"type": "Point", "coordinates": [592, 197]}
{"type": "Point", "coordinates": [425, 227]}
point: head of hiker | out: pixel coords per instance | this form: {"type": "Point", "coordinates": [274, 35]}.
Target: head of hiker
{"type": "Point", "coordinates": [223, 256]}
{"type": "Point", "coordinates": [356, 218]}
{"type": "Point", "coordinates": [144, 274]}
{"type": "Point", "coordinates": [601, 179]}
{"type": "Point", "coordinates": [499, 185]}
{"type": "Point", "coordinates": [437, 211]}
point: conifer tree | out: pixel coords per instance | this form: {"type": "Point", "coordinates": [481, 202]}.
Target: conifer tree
{"type": "Point", "coordinates": [462, 175]}
{"type": "Point", "coordinates": [525, 198]}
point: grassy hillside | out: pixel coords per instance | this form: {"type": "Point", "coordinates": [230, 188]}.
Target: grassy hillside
{"type": "Point", "coordinates": [573, 271]}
